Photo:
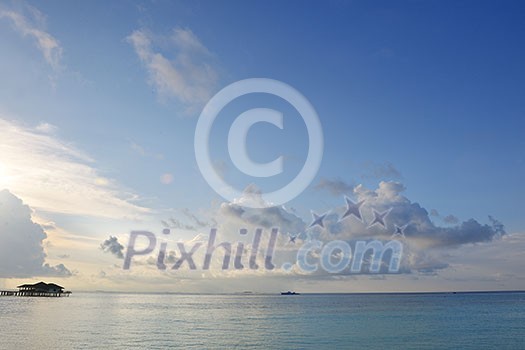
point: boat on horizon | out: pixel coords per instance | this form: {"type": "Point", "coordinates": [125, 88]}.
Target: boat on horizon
{"type": "Point", "coordinates": [290, 293]}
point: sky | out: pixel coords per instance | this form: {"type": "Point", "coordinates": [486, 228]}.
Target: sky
{"type": "Point", "coordinates": [419, 104]}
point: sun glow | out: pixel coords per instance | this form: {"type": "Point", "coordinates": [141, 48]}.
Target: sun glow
{"type": "Point", "coordinates": [4, 178]}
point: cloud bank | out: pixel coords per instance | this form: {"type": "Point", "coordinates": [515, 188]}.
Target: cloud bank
{"type": "Point", "coordinates": [427, 244]}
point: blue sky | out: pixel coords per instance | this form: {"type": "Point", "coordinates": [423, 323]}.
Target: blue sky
{"type": "Point", "coordinates": [427, 94]}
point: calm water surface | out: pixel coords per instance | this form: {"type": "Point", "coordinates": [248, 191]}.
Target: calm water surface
{"type": "Point", "coordinates": [145, 321]}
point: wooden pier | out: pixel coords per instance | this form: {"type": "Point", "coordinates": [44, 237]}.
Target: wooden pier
{"type": "Point", "coordinates": [10, 293]}
{"type": "Point", "coordinates": [40, 289]}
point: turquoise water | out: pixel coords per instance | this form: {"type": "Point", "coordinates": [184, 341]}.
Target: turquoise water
{"type": "Point", "coordinates": [151, 321]}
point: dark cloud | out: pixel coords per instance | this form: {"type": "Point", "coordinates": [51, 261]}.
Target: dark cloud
{"type": "Point", "coordinates": [58, 270]}
{"type": "Point", "coordinates": [451, 219]}
{"type": "Point", "coordinates": [113, 246]}
{"type": "Point", "coordinates": [176, 224]}
{"type": "Point", "coordinates": [497, 225]}
{"type": "Point", "coordinates": [21, 251]}
{"type": "Point", "coordinates": [198, 222]}
{"type": "Point", "coordinates": [268, 218]}
{"type": "Point", "coordinates": [195, 224]}
{"type": "Point", "coordinates": [232, 210]}
{"type": "Point", "coordinates": [419, 225]}
{"type": "Point", "coordinates": [170, 259]}
{"type": "Point", "coordinates": [469, 231]}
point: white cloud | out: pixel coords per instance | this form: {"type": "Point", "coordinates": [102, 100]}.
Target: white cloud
{"type": "Point", "coordinates": [54, 176]}
{"type": "Point", "coordinates": [33, 26]}
{"type": "Point", "coordinates": [46, 128]}
{"type": "Point", "coordinates": [21, 250]}
{"type": "Point", "coordinates": [188, 76]}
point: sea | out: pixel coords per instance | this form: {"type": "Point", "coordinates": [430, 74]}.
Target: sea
{"type": "Point", "coordinates": [251, 321]}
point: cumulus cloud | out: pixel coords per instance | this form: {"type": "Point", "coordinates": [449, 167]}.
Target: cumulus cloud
{"type": "Point", "coordinates": [403, 212]}
{"type": "Point", "coordinates": [21, 251]}
{"type": "Point", "coordinates": [52, 175]}
{"type": "Point", "coordinates": [425, 243]}
{"type": "Point", "coordinates": [113, 246]}
{"type": "Point", "coordinates": [186, 75]}
{"type": "Point", "coordinates": [32, 25]}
